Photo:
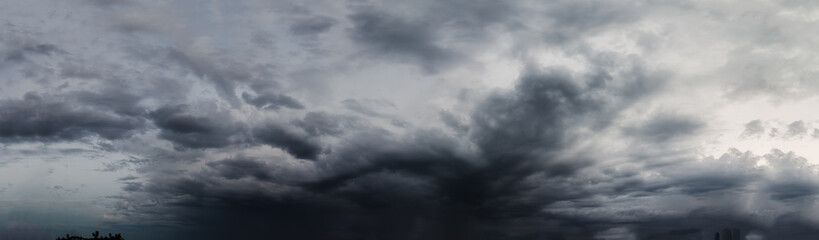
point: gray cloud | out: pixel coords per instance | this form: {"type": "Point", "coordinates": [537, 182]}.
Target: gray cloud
{"type": "Point", "coordinates": [382, 180]}
{"type": "Point", "coordinates": [401, 39]}
{"type": "Point", "coordinates": [114, 166]}
{"type": "Point", "coordinates": [573, 19]}
{"type": "Point", "coordinates": [225, 75]}
{"type": "Point", "coordinates": [322, 123]}
{"type": "Point", "coordinates": [454, 122]}
{"type": "Point", "coordinates": [528, 120]}
{"type": "Point", "coordinates": [191, 131]}
{"type": "Point", "coordinates": [374, 184]}
{"type": "Point", "coordinates": [370, 107]}
{"type": "Point", "coordinates": [434, 35]}
{"type": "Point", "coordinates": [18, 47]}
{"type": "Point", "coordinates": [115, 100]}
{"type": "Point", "coordinates": [37, 118]}
{"type": "Point", "coordinates": [377, 108]}
{"type": "Point", "coordinates": [665, 127]}
{"type": "Point", "coordinates": [312, 25]}
{"type": "Point", "coordinates": [240, 168]}
{"type": "Point", "coordinates": [786, 191]}
{"type": "Point", "coordinates": [128, 178]}
{"type": "Point", "coordinates": [292, 142]}
{"type": "Point", "coordinates": [796, 129]}
{"type": "Point", "coordinates": [705, 188]}
{"type": "Point", "coordinates": [753, 129]}
{"type": "Point", "coordinates": [510, 128]}
{"type": "Point", "coordinates": [272, 101]}
{"type": "Point", "coordinates": [132, 186]}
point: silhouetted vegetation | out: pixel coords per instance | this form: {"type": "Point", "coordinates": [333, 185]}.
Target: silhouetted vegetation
{"type": "Point", "coordinates": [95, 236]}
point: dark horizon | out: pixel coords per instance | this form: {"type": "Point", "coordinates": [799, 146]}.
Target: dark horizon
{"type": "Point", "coordinates": [94, 236]}
{"type": "Point", "coordinates": [428, 119]}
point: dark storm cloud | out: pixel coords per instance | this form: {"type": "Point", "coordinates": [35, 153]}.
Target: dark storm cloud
{"type": "Point", "coordinates": [424, 36]}
{"type": "Point", "coordinates": [268, 93]}
{"type": "Point", "coordinates": [543, 160]}
{"type": "Point", "coordinates": [312, 25]}
{"type": "Point", "coordinates": [427, 185]}
{"type": "Point", "coordinates": [272, 101]}
{"type": "Point", "coordinates": [385, 199]}
{"type": "Point", "coordinates": [712, 188]}
{"type": "Point", "coordinates": [790, 190]}
{"type": "Point", "coordinates": [252, 213]}
{"type": "Point", "coordinates": [322, 123]}
{"type": "Point", "coordinates": [548, 104]}
{"type": "Point", "coordinates": [290, 141]}
{"type": "Point", "coordinates": [696, 180]}
{"type": "Point", "coordinates": [519, 133]}
{"type": "Point", "coordinates": [665, 127]}
{"type": "Point", "coordinates": [173, 120]}
{"type": "Point", "coordinates": [40, 118]}
{"type": "Point", "coordinates": [132, 186]}
{"type": "Point", "coordinates": [187, 130]}
{"type": "Point", "coordinates": [425, 154]}
{"type": "Point", "coordinates": [423, 185]}
{"type": "Point", "coordinates": [112, 99]}
{"type": "Point", "coordinates": [238, 168]}
{"type": "Point", "coordinates": [128, 178]}
{"type": "Point", "coordinates": [406, 40]}
{"type": "Point", "coordinates": [709, 183]}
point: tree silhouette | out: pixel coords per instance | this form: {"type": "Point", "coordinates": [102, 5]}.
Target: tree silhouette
{"type": "Point", "coordinates": [95, 235]}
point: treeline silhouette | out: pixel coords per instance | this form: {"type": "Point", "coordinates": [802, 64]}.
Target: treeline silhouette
{"type": "Point", "coordinates": [95, 235]}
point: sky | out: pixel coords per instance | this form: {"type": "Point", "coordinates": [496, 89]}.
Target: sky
{"type": "Point", "coordinates": [427, 119]}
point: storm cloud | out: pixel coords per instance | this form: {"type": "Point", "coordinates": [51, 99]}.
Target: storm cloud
{"type": "Point", "coordinates": [408, 120]}
{"type": "Point", "coordinates": [38, 118]}
{"type": "Point", "coordinates": [192, 131]}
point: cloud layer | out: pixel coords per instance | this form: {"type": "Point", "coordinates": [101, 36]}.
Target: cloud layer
{"type": "Point", "coordinates": [394, 120]}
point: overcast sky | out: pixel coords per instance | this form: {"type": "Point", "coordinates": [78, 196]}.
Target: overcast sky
{"type": "Point", "coordinates": [427, 119]}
